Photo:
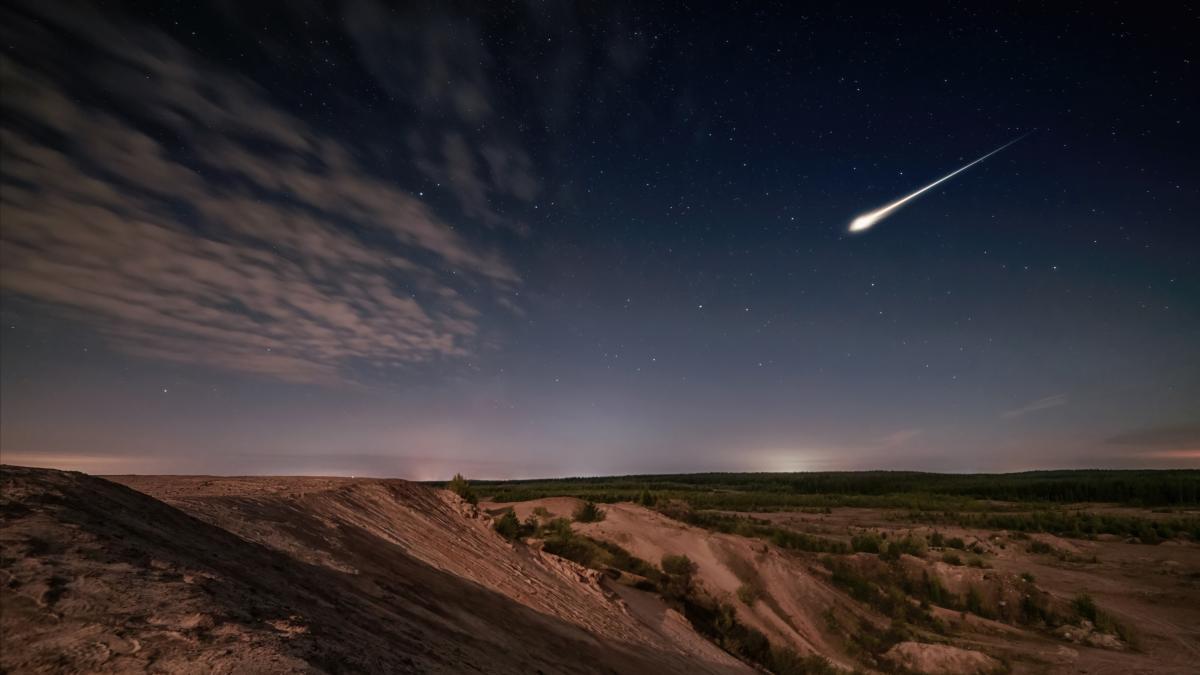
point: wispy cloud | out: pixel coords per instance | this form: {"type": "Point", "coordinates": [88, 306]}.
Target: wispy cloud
{"type": "Point", "coordinates": [436, 62]}
{"type": "Point", "coordinates": [1168, 436]}
{"type": "Point", "coordinates": [900, 437]}
{"type": "Point", "coordinates": [211, 227]}
{"type": "Point", "coordinates": [1035, 406]}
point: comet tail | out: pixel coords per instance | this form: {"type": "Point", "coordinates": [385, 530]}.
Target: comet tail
{"type": "Point", "coordinates": [866, 220]}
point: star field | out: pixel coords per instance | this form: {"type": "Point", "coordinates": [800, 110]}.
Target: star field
{"type": "Point", "coordinates": [534, 240]}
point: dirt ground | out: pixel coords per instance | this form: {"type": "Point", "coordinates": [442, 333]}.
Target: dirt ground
{"type": "Point", "coordinates": [277, 574]}
{"type": "Point", "coordinates": [229, 575]}
{"type": "Point", "coordinates": [1152, 590]}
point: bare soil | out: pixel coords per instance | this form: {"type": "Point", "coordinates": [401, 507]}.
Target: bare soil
{"type": "Point", "coordinates": [287, 575]}
{"type": "Point", "coordinates": [302, 575]}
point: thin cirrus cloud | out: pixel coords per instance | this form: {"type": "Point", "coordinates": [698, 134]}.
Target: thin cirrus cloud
{"type": "Point", "coordinates": [1036, 406]}
{"type": "Point", "coordinates": [1179, 442]}
{"type": "Point", "coordinates": [228, 244]}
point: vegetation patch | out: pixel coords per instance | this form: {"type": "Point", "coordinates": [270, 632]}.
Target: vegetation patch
{"type": "Point", "coordinates": [511, 528]}
{"type": "Point", "coordinates": [719, 623]}
{"type": "Point", "coordinates": [1077, 524]}
{"type": "Point", "coordinates": [588, 512]}
{"type": "Point", "coordinates": [882, 489]}
{"type": "Point", "coordinates": [747, 526]}
{"type": "Point", "coordinates": [459, 486]}
{"type": "Point", "coordinates": [1042, 548]}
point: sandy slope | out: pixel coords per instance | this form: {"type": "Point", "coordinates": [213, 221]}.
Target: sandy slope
{"type": "Point", "coordinates": [794, 599]}
{"type": "Point", "coordinates": [301, 575]}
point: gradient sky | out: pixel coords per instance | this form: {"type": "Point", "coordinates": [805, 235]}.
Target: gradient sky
{"type": "Point", "coordinates": [553, 239]}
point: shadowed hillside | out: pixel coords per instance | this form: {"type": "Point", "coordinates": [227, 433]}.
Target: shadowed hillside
{"type": "Point", "coordinates": [299, 575]}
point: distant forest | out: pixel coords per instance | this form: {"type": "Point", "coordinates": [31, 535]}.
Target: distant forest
{"type": "Point", "coordinates": [746, 491]}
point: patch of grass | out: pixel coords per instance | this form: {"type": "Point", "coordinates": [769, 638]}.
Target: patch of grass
{"type": "Point", "coordinates": [974, 603]}
{"type": "Point", "coordinates": [749, 593]}
{"type": "Point", "coordinates": [888, 591]}
{"type": "Point", "coordinates": [906, 545]}
{"type": "Point", "coordinates": [1076, 524]}
{"type": "Point", "coordinates": [719, 623]}
{"type": "Point", "coordinates": [561, 540]}
{"type": "Point", "coordinates": [951, 558]}
{"type": "Point", "coordinates": [1035, 610]}
{"type": "Point", "coordinates": [588, 512]}
{"type": "Point", "coordinates": [758, 528]}
{"type": "Point", "coordinates": [1085, 607]}
{"type": "Point", "coordinates": [1040, 547]}
{"type": "Point", "coordinates": [869, 542]}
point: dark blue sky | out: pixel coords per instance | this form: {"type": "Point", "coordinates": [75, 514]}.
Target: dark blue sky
{"type": "Point", "coordinates": [528, 240]}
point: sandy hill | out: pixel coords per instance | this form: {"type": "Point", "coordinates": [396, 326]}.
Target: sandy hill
{"type": "Point", "coordinates": [195, 574]}
{"type": "Point", "coordinates": [793, 602]}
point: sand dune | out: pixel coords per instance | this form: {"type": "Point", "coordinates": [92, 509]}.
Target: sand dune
{"type": "Point", "coordinates": [199, 574]}
{"type": "Point", "coordinates": [301, 575]}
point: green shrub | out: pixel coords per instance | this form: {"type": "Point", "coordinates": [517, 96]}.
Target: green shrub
{"type": "Point", "coordinates": [749, 593]}
{"type": "Point", "coordinates": [909, 544]}
{"type": "Point", "coordinates": [508, 526]}
{"type": "Point", "coordinates": [646, 498]}
{"type": "Point", "coordinates": [1034, 610]}
{"type": "Point", "coordinates": [956, 542]}
{"type": "Point", "coordinates": [1072, 523]}
{"type": "Point", "coordinates": [787, 662]}
{"type": "Point", "coordinates": [459, 486]}
{"type": "Point", "coordinates": [677, 584]}
{"type": "Point", "coordinates": [931, 590]}
{"type": "Point", "coordinates": [558, 527]}
{"type": "Point", "coordinates": [1041, 547]}
{"type": "Point", "coordinates": [975, 603]}
{"type": "Point", "coordinates": [588, 512]}
{"type": "Point", "coordinates": [747, 526]}
{"type": "Point", "coordinates": [678, 564]}
{"type": "Point", "coordinates": [1085, 607]}
{"type": "Point", "coordinates": [582, 550]}
{"type": "Point", "coordinates": [951, 558]}
{"type": "Point", "coordinates": [625, 561]}
{"type": "Point", "coordinates": [936, 539]}
{"type": "Point", "coordinates": [868, 542]}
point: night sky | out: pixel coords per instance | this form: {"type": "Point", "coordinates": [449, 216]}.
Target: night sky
{"type": "Point", "coordinates": [550, 239]}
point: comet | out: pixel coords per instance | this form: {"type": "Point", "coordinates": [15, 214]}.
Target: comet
{"type": "Point", "coordinates": [866, 220]}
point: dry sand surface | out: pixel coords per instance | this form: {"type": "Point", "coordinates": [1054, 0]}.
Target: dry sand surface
{"type": "Point", "coordinates": [224, 575]}
{"type": "Point", "coordinates": [793, 599]}
{"type": "Point", "coordinates": [302, 575]}
{"type": "Point", "coordinates": [1153, 590]}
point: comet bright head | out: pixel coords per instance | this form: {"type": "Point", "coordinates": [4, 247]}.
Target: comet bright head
{"type": "Point", "coordinates": [868, 219]}
{"type": "Point", "coordinates": [864, 221]}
